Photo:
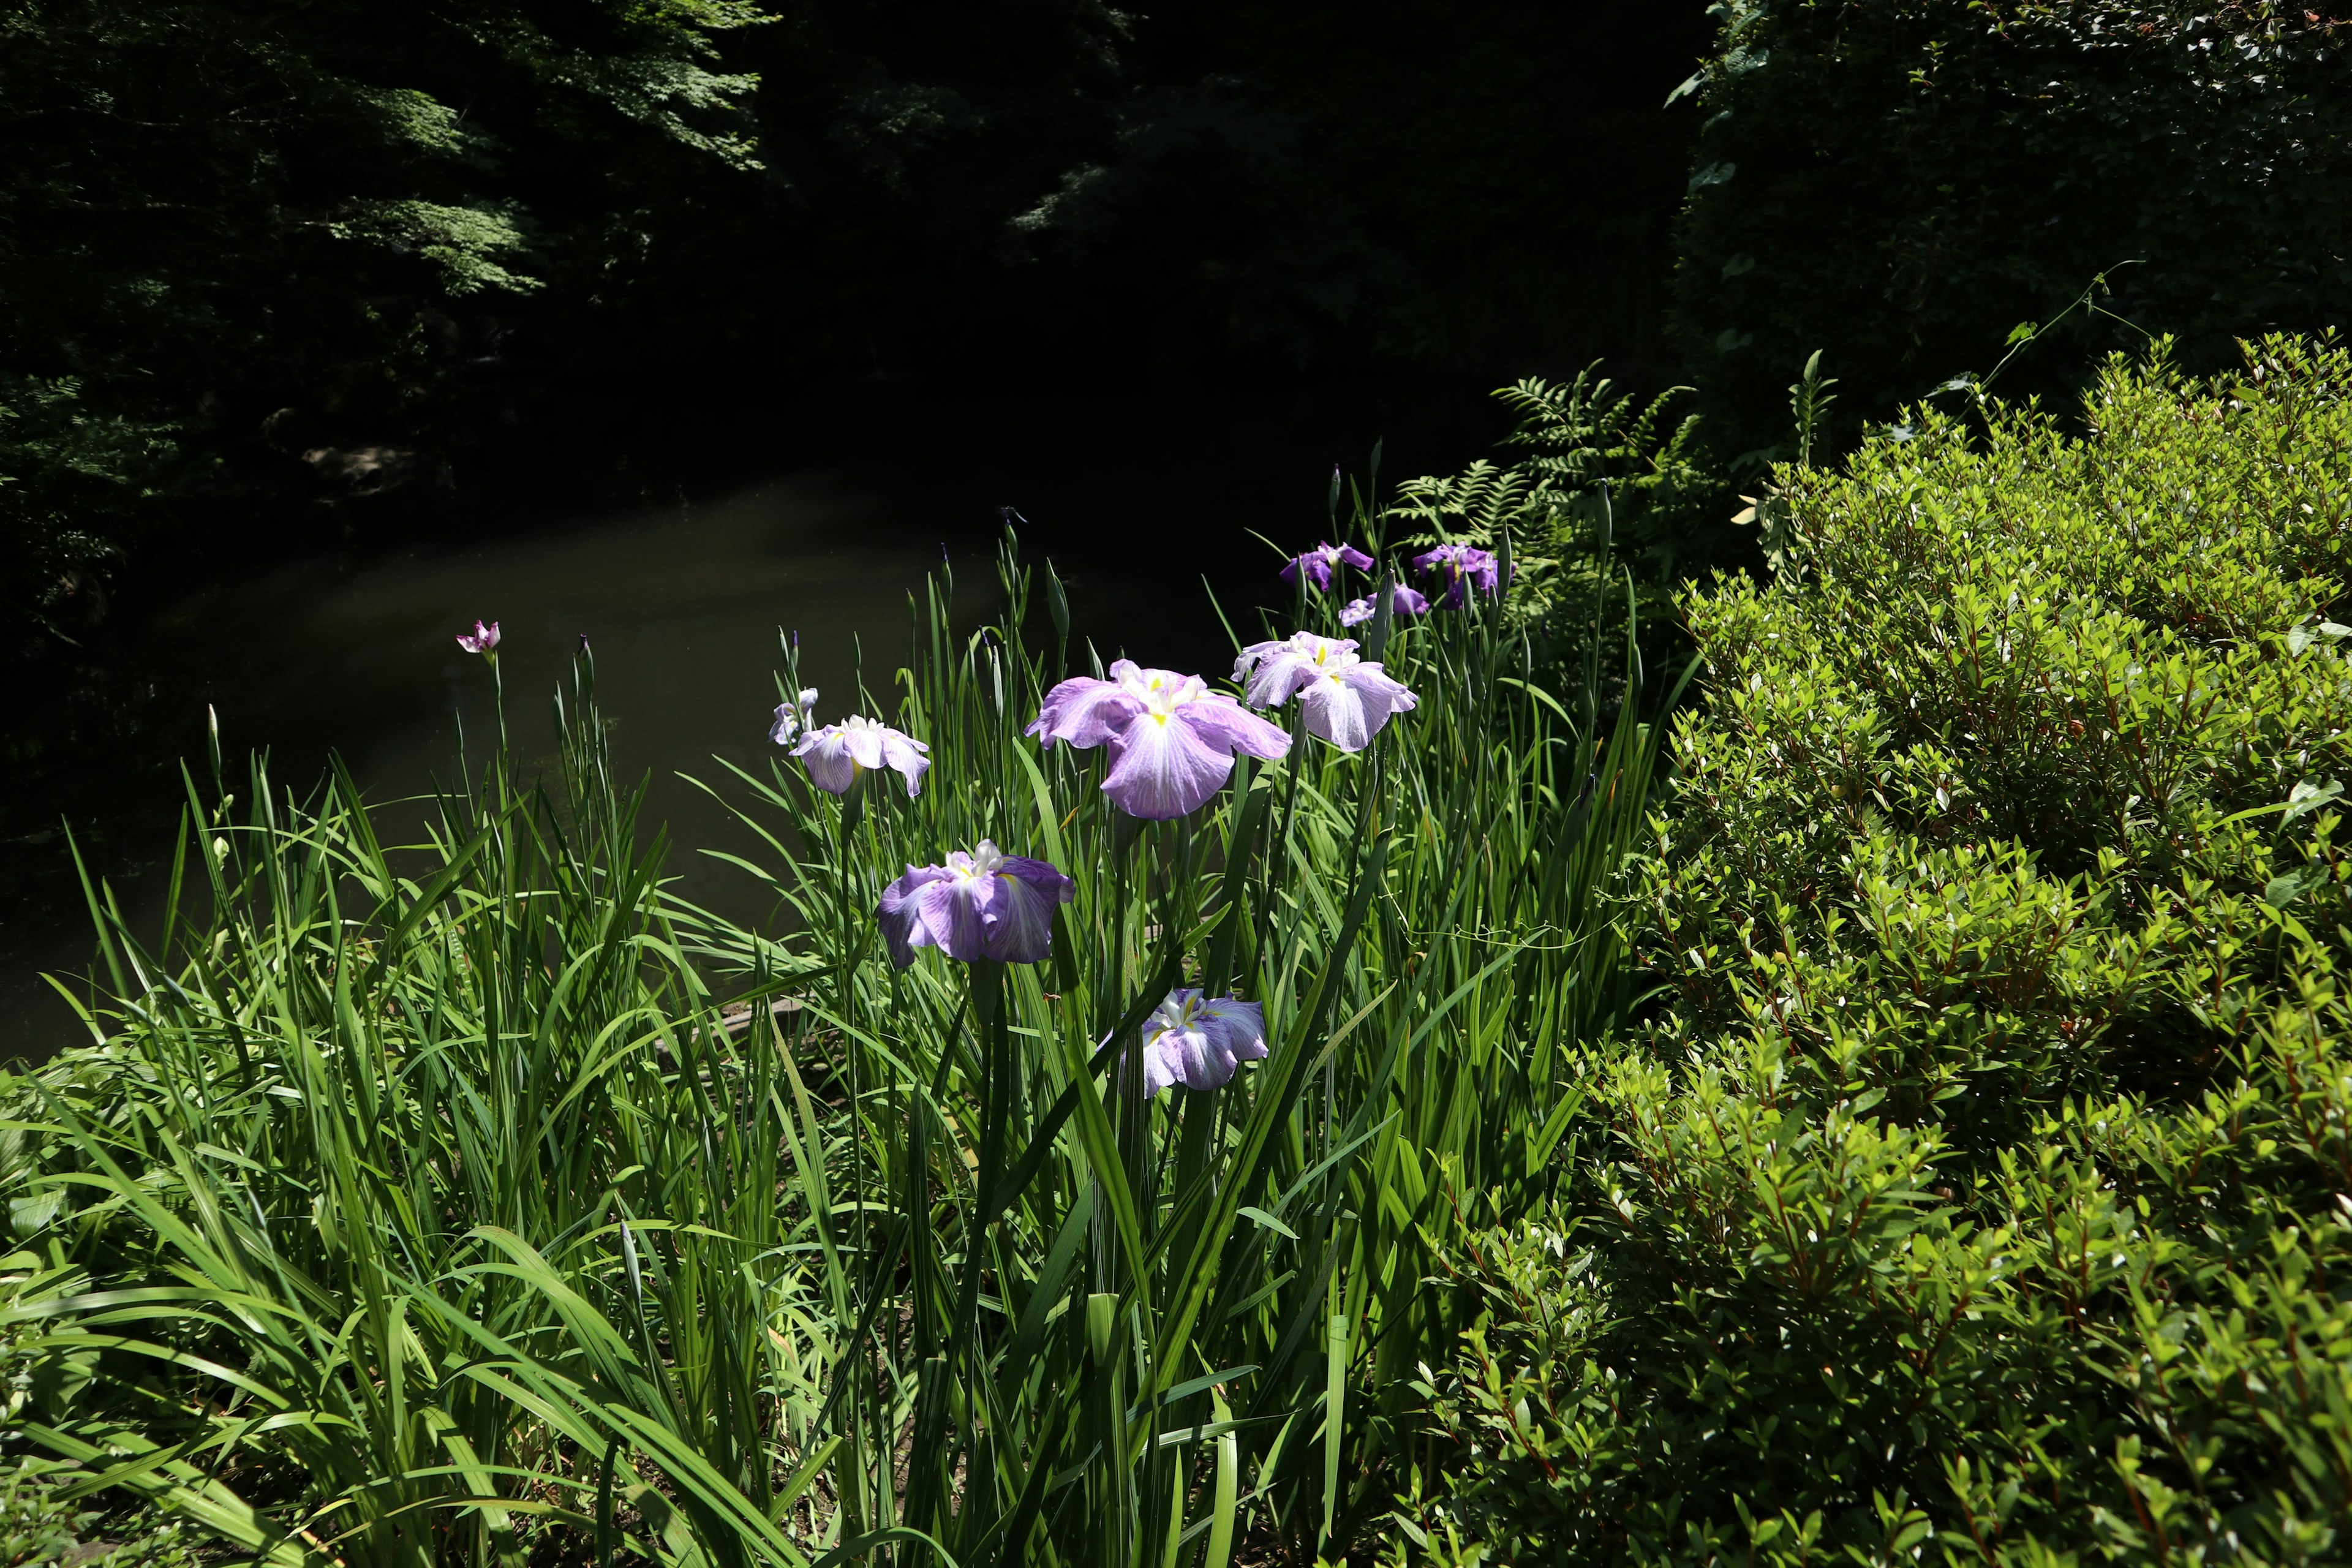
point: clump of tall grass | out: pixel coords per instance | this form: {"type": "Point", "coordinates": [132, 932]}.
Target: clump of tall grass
{"type": "Point", "coordinates": [474, 1198]}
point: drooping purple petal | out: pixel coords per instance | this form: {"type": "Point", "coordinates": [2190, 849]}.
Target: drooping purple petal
{"type": "Point", "coordinates": [825, 753]}
{"type": "Point", "coordinates": [982, 904]}
{"type": "Point", "coordinates": [903, 929]}
{"type": "Point", "coordinates": [1242, 1024]}
{"type": "Point", "coordinates": [1226, 724]}
{"type": "Point", "coordinates": [908, 756]}
{"type": "Point", "coordinates": [1162, 768]}
{"type": "Point", "coordinates": [1019, 916]}
{"type": "Point", "coordinates": [835, 754]}
{"type": "Point", "coordinates": [1350, 705]}
{"type": "Point", "coordinates": [1084, 711]}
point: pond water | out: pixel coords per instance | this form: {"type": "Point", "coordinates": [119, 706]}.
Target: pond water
{"type": "Point", "coordinates": [683, 604]}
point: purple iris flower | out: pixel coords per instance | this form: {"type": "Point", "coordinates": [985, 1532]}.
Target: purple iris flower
{"type": "Point", "coordinates": [1318, 563]}
{"type": "Point", "coordinates": [790, 720]}
{"type": "Point", "coordinates": [1402, 601]}
{"type": "Point", "coordinates": [1171, 738]}
{"type": "Point", "coordinates": [837, 754]}
{"type": "Point", "coordinates": [986, 904]}
{"type": "Point", "coordinates": [1344, 699]}
{"type": "Point", "coordinates": [481, 639]}
{"type": "Point", "coordinates": [1200, 1041]}
{"type": "Point", "coordinates": [1456, 565]}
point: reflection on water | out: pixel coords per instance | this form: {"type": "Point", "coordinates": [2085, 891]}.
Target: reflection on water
{"type": "Point", "coordinates": [682, 607]}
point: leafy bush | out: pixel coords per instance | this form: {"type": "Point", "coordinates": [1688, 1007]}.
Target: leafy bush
{"type": "Point", "coordinates": [1901, 182]}
{"type": "Point", "coordinates": [1978, 1192]}
{"type": "Point", "coordinates": [40, 1523]}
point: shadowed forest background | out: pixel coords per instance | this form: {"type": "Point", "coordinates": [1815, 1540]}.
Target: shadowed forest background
{"type": "Point", "coordinates": [309, 282]}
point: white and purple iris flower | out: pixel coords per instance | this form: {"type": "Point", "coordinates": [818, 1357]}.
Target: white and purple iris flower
{"type": "Point", "coordinates": [1402, 601]}
{"type": "Point", "coordinates": [837, 754]}
{"type": "Point", "coordinates": [481, 639]}
{"type": "Point", "coordinates": [1461, 567]}
{"type": "Point", "coordinates": [1199, 1041]}
{"type": "Point", "coordinates": [1171, 738]}
{"type": "Point", "coordinates": [1319, 563]}
{"type": "Point", "coordinates": [1344, 699]}
{"type": "Point", "coordinates": [986, 904]}
{"type": "Point", "coordinates": [792, 718]}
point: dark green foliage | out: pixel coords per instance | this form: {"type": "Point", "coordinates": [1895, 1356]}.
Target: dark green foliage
{"type": "Point", "coordinates": [1607, 491]}
{"type": "Point", "coordinates": [238, 238]}
{"type": "Point", "coordinates": [42, 1523]}
{"type": "Point", "coordinates": [1483, 186]}
{"type": "Point", "coordinates": [1901, 183]}
{"type": "Point", "coordinates": [1976, 1194]}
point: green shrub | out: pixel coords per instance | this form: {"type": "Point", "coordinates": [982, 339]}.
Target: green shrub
{"type": "Point", "coordinates": [1901, 182]}
{"type": "Point", "coordinates": [1977, 1190]}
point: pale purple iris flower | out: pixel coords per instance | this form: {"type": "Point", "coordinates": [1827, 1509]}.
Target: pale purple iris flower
{"type": "Point", "coordinates": [986, 904]}
{"type": "Point", "coordinates": [1199, 1041]}
{"type": "Point", "coordinates": [1402, 601]}
{"type": "Point", "coordinates": [1171, 738]}
{"type": "Point", "coordinates": [481, 639]}
{"type": "Point", "coordinates": [1461, 567]}
{"type": "Point", "coordinates": [1319, 563]}
{"type": "Point", "coordinates": [837, 754]}
{"type": "Point", "coordinates": [792, 718]}
{"type": "Point", "coordinates": [1344, 699]}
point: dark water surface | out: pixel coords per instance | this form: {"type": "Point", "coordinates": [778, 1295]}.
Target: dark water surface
{"type": "Point", "coordinates": [683, 603]}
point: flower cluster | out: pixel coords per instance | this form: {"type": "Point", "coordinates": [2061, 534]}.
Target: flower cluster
{"type": "Point", "coordinates": [1199, 1041]}
{"type": "Point", "coordinates": [481, 639]}
{"type": "Point", "coordinates": [1172, 741]}
{"type": "Point", "coordinates": [1345, 698]}
{"type": "Point", "coordinates": [985, 904]}
{"type": "Point", "coordinates": [1459, 569]}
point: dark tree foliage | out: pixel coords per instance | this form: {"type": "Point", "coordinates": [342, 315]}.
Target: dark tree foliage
{"type": "Point", "coordinates": [1483, 187]}
{"type": "Point", "coordinates": [266, 255]}
{"type": "Point", "coordinates": [1901, 183]}
{"type": "Point", "coordinates": [244, 245]}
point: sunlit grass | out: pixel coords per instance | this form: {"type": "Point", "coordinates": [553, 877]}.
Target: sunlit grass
{"type": "Point", "coordinates": [447, 1203]}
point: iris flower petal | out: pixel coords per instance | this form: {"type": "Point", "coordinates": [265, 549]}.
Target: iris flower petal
{"type": "Point", "coordinates": [901, 912]}
{"type": "Point", "coordinates": [1343, 698]}
{"type": "Point", "coordinates": [1200, 1042]}
{"type": "Point", "coordinates": [1021, 910]}
{"type": "Point", "coordinates": [1243, 1023]}
{"type": "Point", "coordinates": [1084, 711]}
{"type": "Point", "coordinates": [1162, 768]}
{"type": "Point", "coordinates": [1223, 722]}
{"type": "Point", "coordinates": [826, 756]}
{"type": "Point", "coordinates": [980, 904]}
{"type": "Point", "coordinates": [835, 754]}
